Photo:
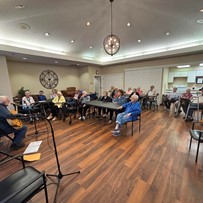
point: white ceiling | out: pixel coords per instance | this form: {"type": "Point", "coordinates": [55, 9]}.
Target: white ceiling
{"type": "Point", "coordinates": [65, 20]}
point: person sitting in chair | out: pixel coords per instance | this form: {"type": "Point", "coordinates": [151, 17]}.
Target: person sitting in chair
{"type": "Point", "coordinates": [57, 104]}
{"type": "Point", "coordinates": [171, 98]}
{"type": "Point", "coordinates": [82, 106]}
{"type": "Point", "coordinates": [5, 114]}
{"type": "Point", "coordinates": [41, 96]}
{"type": "Point", "coordinates": [131, 112]}
{"type": "Point", "coordinates": [195, 105]}
{"type": "Point", "coordinates": [149, 96]}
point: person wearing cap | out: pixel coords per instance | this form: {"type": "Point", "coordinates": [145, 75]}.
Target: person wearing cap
{"type": "Point", "coordinates": [195, 105]}
{"type": "Point", "coordinates": [131, 112]}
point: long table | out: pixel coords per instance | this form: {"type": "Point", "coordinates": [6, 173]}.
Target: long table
{"type": "Point", "coordinates": [101, 104]}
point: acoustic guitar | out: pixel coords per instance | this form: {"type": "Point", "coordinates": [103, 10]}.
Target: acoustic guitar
{"type": "Point", "coordinates": [15, 123]}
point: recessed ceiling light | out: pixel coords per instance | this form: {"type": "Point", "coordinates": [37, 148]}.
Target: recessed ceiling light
{"type": "Point", "coordinates": [55, 61]}
{"type": "Point", "coordinates": [201, 64]}
{"type": "Point", "coordinates": [167, 34]}
{"type": "Point", "coordinates": [200, 21]}
{"type": "Point", "coordinates": [139, 40]}
{"type": "Point", "coordinates": [184, 66]}
{"type": "Point", "coordinates": [19, 6]}
{"type": "Point", "coordinates": [90, 47]}
{"type": "Point", "coordinates": [201, 10]}
{"type": "Point", "coordinates": [128, 24]}
{"type": "Point", "coordinates": [24, 58]}
{"type": "Point", "coordinates": [47, 34]}
{"type": "Point", "coordinates": [88, 23]}
{"type": "Point", "coordinates": [72, 41]}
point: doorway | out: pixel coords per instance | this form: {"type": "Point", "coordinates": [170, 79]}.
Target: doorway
{"type": "Point", "coordinates": [98, 84]}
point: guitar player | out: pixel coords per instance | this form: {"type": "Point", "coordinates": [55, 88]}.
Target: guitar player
{"type": "Point", "coordinates": [19, 133]}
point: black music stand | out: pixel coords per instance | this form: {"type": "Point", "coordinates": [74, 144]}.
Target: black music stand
{"type": "Point", "coordinates": [60, 175]}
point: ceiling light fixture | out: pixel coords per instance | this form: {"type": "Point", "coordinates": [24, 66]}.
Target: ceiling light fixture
{"type": "Point", "coordinates": [201, 10]}
{"type": "Point", "coordinates": [111, 42]}
{"type": "Point", "coordinates": [200, 21]}
{"type": "Point", "coordinates": [24, 58]}
{"type": "Point", "coordinates": [167, 34]}
{"type": "Point", "coordinates": [47, 34]}
{"type": "Point", "coordinates": [139, 40]}
{"type": "Point", "coordinates": [128, 24]}
{"type": "Point", "coordinates": [201, 64]}
{"type": "Point", "coordinates": [72, 41]}
{"type": "Point", "coordinates": [19, 6]}
{"type": "Point", "coordinates": [88, 23]}
{"type": "Point", "coordinates": [90, 47]}
{"type": "Point", "coordinates": [55, 61]}
{"type": "Point", "coordinates": [184, 66]}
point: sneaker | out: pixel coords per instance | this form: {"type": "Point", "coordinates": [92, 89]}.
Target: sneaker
{"type": "Point", "coordinates": [104, 115]}
{"type": "Point", "coordinates": [36, 118]}
{"type": "Point", "coordinates": [80, 118]}
{"type": "Point", "coordinates": [188, 119]}
{"type": "Point", "coordinates": [54, 119]}
{"type": "Point", "coordinates": [115, 131]}
{"type": "Point", "coordinates": [83, 118]}
{"type": "Point", "coordinates": [116, 134]}
{"type": "Point", "coordinates": [110, 121]}
{"type": "Point", "coordinates": [49, 117]}
{"type": "Point", "coordinates": [16, 146]}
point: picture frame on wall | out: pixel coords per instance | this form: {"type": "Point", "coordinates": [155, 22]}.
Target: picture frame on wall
{"type": "Point", "coordinates": [199, 80]}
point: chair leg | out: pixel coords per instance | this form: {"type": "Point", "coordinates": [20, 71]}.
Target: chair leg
{"type": "Point", "coordinates": [132, 129]}
{"type": "Point", "coordinates": [197, 152]}
{"type": "Point", "coordinates": [45, 189]}
{"type": "Point", "coordinates": [190, 143]}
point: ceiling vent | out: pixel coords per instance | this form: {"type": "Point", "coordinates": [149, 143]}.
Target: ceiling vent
{"type": "Point", "coordinates": [24, 26]}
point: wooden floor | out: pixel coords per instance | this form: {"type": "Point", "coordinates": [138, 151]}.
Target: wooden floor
{"type": "Point", "coordinates": [152, 166]}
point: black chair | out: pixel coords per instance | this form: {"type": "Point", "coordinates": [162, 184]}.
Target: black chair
{"type": "Point", "coordinates": [2, 133]}
{"type": "Point", "coordinates": [139, 124]}
{"type": "Point", "coordinates": [196, 135]}
{"type": "Point", "coordinates": [22, 185]}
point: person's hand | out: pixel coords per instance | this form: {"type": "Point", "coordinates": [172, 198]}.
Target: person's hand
{"type": "Point", "coordinates": [128, 115]}
{"type": "Point", "coordinates": [120, 107]}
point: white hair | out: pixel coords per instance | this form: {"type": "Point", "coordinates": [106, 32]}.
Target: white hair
{"type": "Point", "coordinates": [2, 99]}
{"type": "Point", "coordinates": [134, 96]}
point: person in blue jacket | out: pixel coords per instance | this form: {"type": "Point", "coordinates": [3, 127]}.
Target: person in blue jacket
{"type": "Point", "coordinates": [131, 112]}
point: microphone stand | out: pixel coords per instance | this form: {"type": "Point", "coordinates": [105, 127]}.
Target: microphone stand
{"type": "Point", "coordinates": [60, 175]}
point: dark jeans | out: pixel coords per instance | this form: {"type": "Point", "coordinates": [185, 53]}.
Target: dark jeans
{"type": "Point", "coordinates": [184, 104]}
{"type": "Point", "coordinates": [82, 110]}
{"type": "Point", "coordinates": [168, 102]}
{"type": "Point", "coordinates": [19, 134]}
{"type": "Point", "coordinates": [54, 111]}
{"type": "Point", "coordinates": [192, 108]}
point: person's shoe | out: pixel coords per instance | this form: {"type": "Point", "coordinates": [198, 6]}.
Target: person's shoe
{"type": "Point", "coordinates": [115, 131]}
{"type": "Point", "coordinates": [116, 134]}
{"type": "Point", "coordinates": [16, 146]}
{"type": "Point", "coordinates": [80, 118]}
{"type": "Point", "coordinates": [110, 121]}
{"type": "Point", "coordinates": [104, 115]}
{"type": "Point", "coordinates": [36, 118]}
{"type": "Point", "coordinates": [83, 118]}
{"type": "Point", "coordinates": [54, 119]}
{"type": "Point", "coordinates": [49, 117]}
{"type": "Point", "coordinates": [188, 119]}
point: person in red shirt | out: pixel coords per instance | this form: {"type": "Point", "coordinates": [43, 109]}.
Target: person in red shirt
{"type": "Point", "coordinates": [184, 101]}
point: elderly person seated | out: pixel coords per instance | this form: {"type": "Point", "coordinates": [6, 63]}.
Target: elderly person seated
{"type": "Point", "coordinates": [171, 98]}
{"type": "Point", "coordinates": [149, 96]}
{"type": "Point", "coordinates": [196, 104]}
{"type": "Point", "coordinates": [131, 112]}
{"type": "Point", "coordinates": [129, 91]}
{"type": "Point", "coordinates": [82, 106]}
{"type": "Point", "coordinates": [29, 107]}
{"type": "Point", "coordinates": [19, 133]}
{"type": "Point", "coordinates": [183, 102]}
{"type": "Point", "coordinates": [104, 98]}
{"type": "Point", "coordinates": [120, 99]}
{"type": "Point", "coordinates": [53, 93]}
{"type": "Point", "coordinates": [58, 102]}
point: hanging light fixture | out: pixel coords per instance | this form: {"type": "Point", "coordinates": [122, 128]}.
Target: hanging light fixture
{"type": "Point", "coordinates": [111, 42]}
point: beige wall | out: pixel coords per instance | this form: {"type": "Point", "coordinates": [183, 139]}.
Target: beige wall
{"type": "Point", "coordinates": [27, 75]}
